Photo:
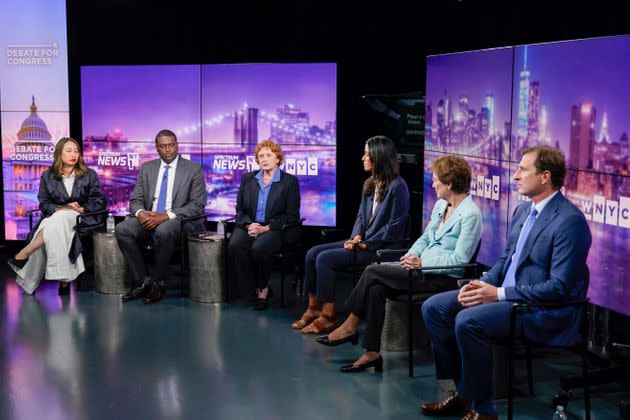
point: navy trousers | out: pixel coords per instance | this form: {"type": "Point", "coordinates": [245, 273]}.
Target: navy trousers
{"type": "Point", "coordinates": [324, 263]}
{"type": "Point", "coordinates": [462, 338]}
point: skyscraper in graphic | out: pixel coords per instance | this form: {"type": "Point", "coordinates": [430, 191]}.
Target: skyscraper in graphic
{"type": "Point", "coordinates": [523, 98]}
{"type": "Point", "coordinates": [533, 113]}
{"type": "Point", "coordinates": [545, 136]}
{"type": "Point", "coordinates": [428, 126]}
{"type": "Point", "coordinates": [582, 135]}
{"type": "Point", "coordinates": [246, 126]}
{"type": "Point", "coordinates": [490, 104]}
{"type": "Point", "coordinates": [292, 125]}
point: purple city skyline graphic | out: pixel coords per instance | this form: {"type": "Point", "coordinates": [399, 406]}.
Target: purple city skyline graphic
{"type": "Point", "coordinates": [233, 108]}
{"type": "Point", "coordinates": [581, 112]}
{"type": "Point", "coordinates": [468, 103]}
{"type": "Point", "coordinates": [209, 102]}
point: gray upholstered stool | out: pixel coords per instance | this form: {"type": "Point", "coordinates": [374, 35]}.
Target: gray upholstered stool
{"type": "Point", "coordinates": [394, 335]}
{"type": "Point", "coordinates": [207, 272]}
{"type": "Point", "coordinates": [110, 266]}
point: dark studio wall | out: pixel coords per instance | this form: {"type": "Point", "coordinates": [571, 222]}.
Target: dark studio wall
{"type": "Point", "coordinates": [380, 49]}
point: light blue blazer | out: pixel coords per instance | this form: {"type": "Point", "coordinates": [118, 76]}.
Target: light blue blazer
{"type": "Point", "coordinates": [456, 242]}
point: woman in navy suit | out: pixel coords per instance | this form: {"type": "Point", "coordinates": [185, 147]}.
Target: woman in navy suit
{"type": "Point", "coordinates": [450, 238]}
{"type": "Point", "coordinates": [67, 189]}
{"type": "Point", "coordinates": [380, 224]}
{"type": "Point", "coordinates": [267, 200]}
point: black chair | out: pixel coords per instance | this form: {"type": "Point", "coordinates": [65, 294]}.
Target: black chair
{"type": "Point", "coordinates": [356, 269]}
{"type": "Point", "coordinates": [289, 252]}
{"type": "Point", "coordinates": [97, 221]}
{"type": "Point", "coordinates": [417, 299]}
{"type": "Point", "coordinates": [180, 256]}
{"type": "Point", "coordinates": [580, 348]}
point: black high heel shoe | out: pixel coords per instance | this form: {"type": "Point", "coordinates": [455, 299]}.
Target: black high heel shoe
{"type": "Point", "coordinates": [323, 339]}
{"type": "Point", "coordinates": [64, 288]}
{"type": "Point", "coordinates": [17, 263]}
{"type": "Point", "coordinates": [263, 303]}
{"type": "Point", "coordinates": [377, 364]}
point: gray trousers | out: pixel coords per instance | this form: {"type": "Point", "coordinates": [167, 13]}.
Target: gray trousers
{"type": "Point", "coordinates": [130, 235]}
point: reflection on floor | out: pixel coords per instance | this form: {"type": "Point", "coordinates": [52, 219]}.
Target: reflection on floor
{"type": "Point", "coordinates": [87, 356]}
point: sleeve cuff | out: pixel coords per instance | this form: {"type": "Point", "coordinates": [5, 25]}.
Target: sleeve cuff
{"type": "Point", "coordinates": [501, 293]}
{"type": "Point", "coordinates": [138, 212]}
{"type": "Point", "coordinates": [171, 215]}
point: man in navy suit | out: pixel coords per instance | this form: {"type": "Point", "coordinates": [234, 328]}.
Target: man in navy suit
{"type": "Point", "coordinates": [544, 261]}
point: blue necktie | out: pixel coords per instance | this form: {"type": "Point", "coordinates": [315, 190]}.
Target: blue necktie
{"type": "Point", "coordinates": [510, 278]}
{"type": "Point", "coordinates": [161, 203]}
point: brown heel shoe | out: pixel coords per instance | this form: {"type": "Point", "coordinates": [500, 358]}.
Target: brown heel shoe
{"type": "Point", "coordinates": [320, 327]}
{"type": "Point", "coordinates": [307, 318]}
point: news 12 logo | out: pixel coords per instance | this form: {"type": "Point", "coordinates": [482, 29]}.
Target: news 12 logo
{"type": "Point", "coordinates": [610, 212]}
{"type": "Point", "coordinates": [117, 159]}
{"type": "Point", "coordinates": [486, 187]}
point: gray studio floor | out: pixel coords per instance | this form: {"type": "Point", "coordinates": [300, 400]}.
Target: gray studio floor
{"type": "Point", "coordinates": [88, 356]}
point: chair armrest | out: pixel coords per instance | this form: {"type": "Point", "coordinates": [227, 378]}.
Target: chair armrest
{"type": "Point", "coordinates": [543, 305]}
{"type": "Point", "coordinates": [293, 225]}
{"type": "Point", "coordinates": [224, 222]}
{"type": "Point", "coordinates": [229, 219]}
{"type": "Point", "coordinates": [93, 228]}
{"type": "Point", "coordinates": [390, 254]}
{"type": "Point", "coordinates": [30, 213]}
{"type": "Point", "coordinates": [332, 232]}
{"type": "Point", "coordinates": [288, 227]}
{"type": "Point", "coordinates": [186, 220]}
{"type": "Point", "coordinates": [550, 305]}
{"type": "Point", "coordinates": [444, 267]}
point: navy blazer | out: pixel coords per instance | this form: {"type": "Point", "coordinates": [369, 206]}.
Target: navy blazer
{"type": "Point", "coordinates": [86, 191]}
{"type": "Point", "coordinates": [551, 268]}
{"type": "Point", "coordinates": [283, 202]}
{"type": "Point", "coordinates": [387, 228]}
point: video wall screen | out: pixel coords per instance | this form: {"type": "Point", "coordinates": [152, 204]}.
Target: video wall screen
{"type": "Point", "coordinates": [468, 106]}
{"type": "Point", "coordinates": [33, 101]}
{"type": "Point", "coordinates": [572, 95]}
{"type": "Point", "coordinates": [219, 113]}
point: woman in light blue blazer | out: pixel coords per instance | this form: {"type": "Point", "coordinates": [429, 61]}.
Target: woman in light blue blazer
{"type": "Point", "coordinates": [380, 224]}
{"type": "Point", "coordinates": [451, 237]}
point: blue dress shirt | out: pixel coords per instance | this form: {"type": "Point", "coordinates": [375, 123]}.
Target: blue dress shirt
{"type": "Point", "coordinates": [263, 194]}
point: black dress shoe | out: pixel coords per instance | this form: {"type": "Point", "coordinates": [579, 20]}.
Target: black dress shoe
{"type": "Point", "coordinates": [64, 288]}
{"type": "Point", "coordinates": [452, 405]}
{"type": "Point", "coordinates": [137, 293]}
{"type": "Point", "coordinates": [323, 339]}
{"type": "Point", "coordinates": [17, 263]}
{"type": "Point", "coordinates": [377, 364]}
{"type": "Point", "coordinates": [156, 293]}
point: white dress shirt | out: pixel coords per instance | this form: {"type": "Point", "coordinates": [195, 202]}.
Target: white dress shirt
{"type": "Point", "coordinates": [68, 182]}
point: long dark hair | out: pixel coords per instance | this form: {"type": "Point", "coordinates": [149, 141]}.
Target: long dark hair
{"type": "Point", "coordinates": [79, 168]}
{"type": "Point", "coordinates": [385, 167]}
